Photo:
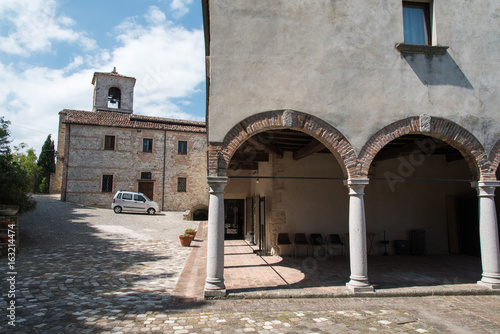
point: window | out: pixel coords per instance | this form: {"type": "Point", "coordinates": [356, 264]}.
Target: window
{"type": "Point", "coordinates": [107, 183]}
{"type": "Point", "coordinates": [417, 23]}
{"type": "Point", "coordinates": [114, 98]}
{"type": "Point", "coordinates": [147, 145]}
{"type": "Point", "coordinates": [146, 176]}
{"type": "Point", "coordinates": [139, 198]}
{"type": "Point", "coordinates": [109, 142]}
{"type": "Point", "coordinates": [182, 148]}
{"type": "Point", "coordinates": [127, 196]}
{"type": "Point", "coordinates": [181, 184]}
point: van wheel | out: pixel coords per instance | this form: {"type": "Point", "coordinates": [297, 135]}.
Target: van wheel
{"type": "Point", "coordinates": [117, 209]}
{"type": "Point", "coordinates": [151, 211]}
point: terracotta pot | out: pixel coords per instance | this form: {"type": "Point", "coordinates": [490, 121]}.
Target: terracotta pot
{"type": "Point", "coordinates": [193, 233]}
{"type": "Point", "coordinates": [185, 241]}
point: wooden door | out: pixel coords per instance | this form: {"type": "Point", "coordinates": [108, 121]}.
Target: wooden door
{"type": "Point", "coordinates": [147, 188]}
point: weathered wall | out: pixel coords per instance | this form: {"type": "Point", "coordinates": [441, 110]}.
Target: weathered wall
{"type": "Point", "coordinates": [88, 161]}
{"type": "Point", "coordinates": [337, 60]}
{"type": "Point", "coordinates": [57, 178]}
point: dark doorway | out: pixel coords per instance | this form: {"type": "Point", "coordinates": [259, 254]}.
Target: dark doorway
{"type": "Point", "coordinates": [147, 188]}
{"type": "Point", "coordinates": [262, 222]}
{"type": "Point", "coordinates": [234, 217]}
{"type": "Point", "coordinates": [200, 214]}
{"type": "Point", "coordinates": [468, 226]}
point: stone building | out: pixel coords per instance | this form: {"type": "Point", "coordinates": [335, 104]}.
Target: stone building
{"type": "Point", "coordinates": [373, 120]}
{"type": "Point", "coordinates": [110, 148]}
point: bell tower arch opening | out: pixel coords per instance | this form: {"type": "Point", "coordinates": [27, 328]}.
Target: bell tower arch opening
{"type": "Point", "coordinates": [113, 92]}
{"type": "Point", "coordinates": [114, 98]}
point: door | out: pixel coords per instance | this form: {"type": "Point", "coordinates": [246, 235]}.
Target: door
{"type": "Point", "coordinates": [262, 223]}
{"type": "Point", "coordinates": [468, 222]}
{"type": "Point", "coordinates": [140, 203]}
{"type": "Point", "coordinates": [234, 216]}
{"type": "Point", "coordinates": [147, 189]}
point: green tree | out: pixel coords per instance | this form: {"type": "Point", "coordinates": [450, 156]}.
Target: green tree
{"type": "Point", "coordinates": [28, 162]}
{"type": "Point", "coordinates": [14, 180]}
{"type": "Point", "coordinates": [4, 136]}
{"type": "Point", "coordinates": [47, 163]}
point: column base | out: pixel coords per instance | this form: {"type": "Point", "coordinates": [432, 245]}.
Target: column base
{"type": "Point", "coordinates": [214, 294]}
{"type": "Point", "coordinates": [214, 288]}
{"type": "Point", "coordinates": [491, 281]}
{"type": "Point", "coordinates": [360, 286]}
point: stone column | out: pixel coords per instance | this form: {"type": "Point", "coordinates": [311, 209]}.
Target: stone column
{"type": "Point", "coordinates": [357, 237]}
{"type": "Point", "coordinates": [488, 233]}
{"type": "Point", "coordinates": [214, 284]}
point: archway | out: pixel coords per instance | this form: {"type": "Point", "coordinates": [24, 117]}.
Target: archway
{"type": "Point", "coordinates": [420, 198]}
{"type": "Point", "coordinates": [220, 154]}
{"type": "Point", "coordinates": [440, 128]}
{"type": "Point", "coordinates": [288, 182]}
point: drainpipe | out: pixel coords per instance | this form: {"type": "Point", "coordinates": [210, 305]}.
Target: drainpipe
{"type": "Point", "coordinates": [164, 169]}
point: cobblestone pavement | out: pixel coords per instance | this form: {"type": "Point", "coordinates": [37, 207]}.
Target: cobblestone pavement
{"type": "Point", "coordinates": [76, 276]}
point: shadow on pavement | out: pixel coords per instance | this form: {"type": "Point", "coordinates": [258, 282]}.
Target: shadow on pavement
{"type": "Point", "coordinates": [73, 277]}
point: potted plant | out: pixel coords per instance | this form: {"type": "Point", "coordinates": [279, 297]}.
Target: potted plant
{"type": "Point", "coordinates": [185, 239]}
{"type": "Point", "coordinates": [191, 232]}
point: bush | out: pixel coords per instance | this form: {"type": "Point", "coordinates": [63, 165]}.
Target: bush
{"type": "Point", "coordinates": [44, 186]}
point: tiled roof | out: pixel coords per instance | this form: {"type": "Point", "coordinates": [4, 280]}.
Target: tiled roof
{"type": "Point", "coordinates": [118, 119]}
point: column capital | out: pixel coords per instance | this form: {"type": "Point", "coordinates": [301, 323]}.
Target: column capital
{"type": "Point", "coordinates": [485, 188]}
{"type": "Point", "coordinates": [357, 186]}
{"type": "Point", "coordinates": [217, 183]}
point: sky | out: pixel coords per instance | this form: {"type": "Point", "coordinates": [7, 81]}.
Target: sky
{"type": "Point", "coordinates": [49, 50]}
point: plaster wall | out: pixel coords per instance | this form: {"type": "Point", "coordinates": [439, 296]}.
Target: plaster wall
{"type": "Point", "coordinates": [337, 60]}
{"type": "Point", "coordinates": [398, 207]}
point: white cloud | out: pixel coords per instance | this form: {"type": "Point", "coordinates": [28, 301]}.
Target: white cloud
{"type": "Point", "coordinates": [32, 99]}
{"type": "Point", "coordinates": [32, 26]}
{"type": "Point", "coordinates": [166, 59]}
{"type": "Point", "coordinates": [180, 7]}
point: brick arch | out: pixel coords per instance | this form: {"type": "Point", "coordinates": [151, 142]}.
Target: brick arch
{"type": "Point", "coordinates": [220, 154]}
{"type": "Point", "coordinates": [453, 134]}
{"type": "Point", "coordinates": [495, 157]}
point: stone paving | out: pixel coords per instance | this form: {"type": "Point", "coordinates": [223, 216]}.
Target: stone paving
{"type": "Point", "coordinates": [115, 282]}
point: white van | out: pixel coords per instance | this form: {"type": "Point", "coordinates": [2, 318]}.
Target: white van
{"type": "Point", "coordinates": [133, 202]}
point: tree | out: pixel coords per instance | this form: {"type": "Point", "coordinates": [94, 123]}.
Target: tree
{"type": "Point", "coordinates": [47, 162]}
{"type": "Point", "coordinates": [4, 136]}
{"type": "Point", "coordinates": [14, 179]}
{"type": "Point", "coordinates": [28, 163]}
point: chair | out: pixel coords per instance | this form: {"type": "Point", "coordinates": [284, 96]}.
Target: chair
{"type": "Point", "coordinates": [317, 240]}
{"type": "Point", "coordinates": [283, 239]}
{"type": "Point", "coordinates": [300, 239]}
{"type": "Point", "coordinates": [334, 240]}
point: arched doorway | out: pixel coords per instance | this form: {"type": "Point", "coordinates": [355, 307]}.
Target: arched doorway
{"type": "Point", "coordinates": [286, 181]}
{"type": "Point", "coordinates": [420, 198]}
{"type": "Point", "coordinates": [412, 157]}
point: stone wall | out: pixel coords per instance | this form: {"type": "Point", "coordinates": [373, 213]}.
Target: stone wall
{"type": "Point", "coordinates": [87, 161]}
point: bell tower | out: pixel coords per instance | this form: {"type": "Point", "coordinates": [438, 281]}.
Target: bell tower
{"type": "Point", "coordinates": [113, 92]}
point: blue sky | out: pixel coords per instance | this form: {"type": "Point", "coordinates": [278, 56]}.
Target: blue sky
{"type": "Point", "coordinates": [49, 50]}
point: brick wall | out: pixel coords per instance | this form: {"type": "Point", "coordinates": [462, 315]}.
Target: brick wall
{"type": "Point", "coordinates": [88, 161]}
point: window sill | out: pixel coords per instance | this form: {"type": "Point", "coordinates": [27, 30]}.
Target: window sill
{"type": "Point", "coordinates": [422, 49]}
